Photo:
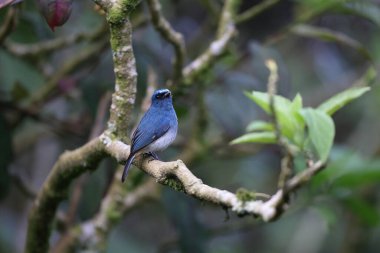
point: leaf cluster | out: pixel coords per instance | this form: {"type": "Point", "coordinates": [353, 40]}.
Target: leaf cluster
{"type": "Point", "coordinates": [307, 130]}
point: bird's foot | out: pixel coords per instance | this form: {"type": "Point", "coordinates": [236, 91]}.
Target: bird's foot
{"type": "Point", "coordinates": [153, 156]}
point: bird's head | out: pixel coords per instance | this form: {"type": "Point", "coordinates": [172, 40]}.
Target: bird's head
{"type": "Point", "coordinates": [162, 97]}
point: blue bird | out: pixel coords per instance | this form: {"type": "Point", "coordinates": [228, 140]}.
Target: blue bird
{"type": "Point", "coordinates": [156, 130]}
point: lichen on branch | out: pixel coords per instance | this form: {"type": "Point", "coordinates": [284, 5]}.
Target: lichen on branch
{"type": "Point", "coordinates": [69, 166]}
{"type": "Point", "coordinates": [113, 141]}
{"type": "Point", "coordinates": [72, 164]}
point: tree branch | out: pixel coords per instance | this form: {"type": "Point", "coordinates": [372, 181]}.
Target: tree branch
{"type": "Point", "coordinates": [68, 167]}
{"type": "Point", "coordinates": [177, 176]}
{"type": "Point", "coordinates": [9, 23]}
{"type": "Point", "coordinates": [208, 57]}
{"type": "Point", "coordinates": [123, 99]}
{"type": "Point", "coordinates": [174, 174]}
{"type": "Point", "coordinates": [51, 84]}
{"type": "Point", "coordinates": [119, 200]}
{"type": "Point", "coordinates": [46, 47]}
{"type": "Point", "coordinates": [226, 31]}
{"type": "Point", "coordinates": [255, 10]}
{"type": "Point", "coordinates": [173, 37]}
{"type": "Point", "coordinates": [72, 164]}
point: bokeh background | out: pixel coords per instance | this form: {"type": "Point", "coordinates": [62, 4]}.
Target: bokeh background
{"type": "Point", "coordinates": [51, 101]}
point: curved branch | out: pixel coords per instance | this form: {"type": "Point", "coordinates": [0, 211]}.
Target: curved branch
{"type": "Point", "coordinates": [255, 10]}
{"type": "Point", "coordinates": [173, 174]}
{"type": "Point", "coordinates": [69, 166]}
{"type": "Point", "coordinates": [9, 23]}
{"type": "Point", "coordinates": [46, 47]}
{"type": "Point", "coordinates": [207, 58]}
{"type": "Point", "coordinates": [51, 84]}
{"type": "Point", "coordinates": [177, 176]}
{"type": "Point", "coordinates": [173, 37]}
{"type": "Point", "coordinates": [118, 202]}
{"type": "Point", "coordinates": [72, 164]}
{"type": "Point", "coordinates": [225, 33]}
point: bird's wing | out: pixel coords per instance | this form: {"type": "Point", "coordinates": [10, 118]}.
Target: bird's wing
{"type": "Point", "coordinates": [149, 130]}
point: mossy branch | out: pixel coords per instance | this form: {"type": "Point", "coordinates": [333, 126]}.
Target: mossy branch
{"type": "Point", "coordinates": [112, 143]}
{"type": "Point", "coordinates": [72, 164]}
{"type": "Point", "coordinates": [69, 166]}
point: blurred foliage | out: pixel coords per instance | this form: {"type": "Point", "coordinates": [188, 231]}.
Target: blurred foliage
{"type": "Point", "coordinates": [307, 129]}
{"type": "Point", "coordinates": [319, 48]}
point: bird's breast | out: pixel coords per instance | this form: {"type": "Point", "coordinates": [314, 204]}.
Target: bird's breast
{"type": "Point", "coordinates": [165, 140]}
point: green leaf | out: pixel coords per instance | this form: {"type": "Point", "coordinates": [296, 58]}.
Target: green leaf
{"type": "Point", "coordinates": [321, 131]}
{"type": "Point", "coordinates": [297, 102]}
{"type": "Point", "coordinates": [262, 100]}
{"type": "Point", "coordinates": [18, 92]}
{"type": "Point", "coordinates": [287, 112]}
{"type": "Point", "coordinates": [262, 137]}
{"type": "Point", "coordinates": [341, 99]}
{"type": "Point", "coordinates": [259, 125]}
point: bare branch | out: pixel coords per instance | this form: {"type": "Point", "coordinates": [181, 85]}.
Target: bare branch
{"type": "Point", "coordinates": [118, 202]}
{"type": "Point", "coordinates": [255, 10]}
{"type": "Point", "coordinates": [97, 129]}
{"type": "Point", "coordinates": [9, 23]}
{"type": "Point", "coordinates": [173, 37]}
{"type": "Point", "coordinates": [272, 90]}
{"type": "Point", "coordinates": [287, 160]}
{"type": "Point", "coordinates": [46, 47]}
{"type": "Point", "coordinates": [177, 176]}
{"type": "Point", "coordinates": [72, 164]}
{"type": "Point", "coordinates": [226, 31]}
{"type": "Point", "coordinates": [173, 174]}
{"type": "Point", "coordinates": [304, 176]}
{"type": "Point", "coordinates": [112, 143]}
{"type": "Point", "coordinates": [45, 91]}
{"type": "Point", "coordinates": [69, 166]}
{"type": "Point", "coordinates": [207, 58]}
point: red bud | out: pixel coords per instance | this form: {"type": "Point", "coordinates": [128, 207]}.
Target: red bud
{"type": "Point", "coordinates": [56, 12]}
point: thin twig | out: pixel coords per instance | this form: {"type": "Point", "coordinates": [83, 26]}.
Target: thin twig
{"type": "Point", "coordinates": [255, 10]}
{"type": "Point", "coordinates": [70, 65]}
{"type": "Point", "coordinates": [173, 37]}
{"type": "Point", "coordinates": [46, 47]}
{"type": "Point", "coordinates": [208, 57]}
{"type": "Point", "coordinates": [272, 90]}
{"type": "Point", "coordinates": [287, 160]}
{"type": "Point", "coordinates": [9, 23]}
{"type": "Point", "coordinates": [23, 187]}
{"type": "Point", "coordinates": [98, 128]}
{"type": "Point", "coordinates": [56, 125]}
{"type": "Point", "coordinates": [225, 32]}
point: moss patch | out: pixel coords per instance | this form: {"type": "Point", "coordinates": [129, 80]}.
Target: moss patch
{"type": "Point", "coordinates": [118, 13]}
{"type": "Point", "coordinates": [245, 195]}
{"type": "Point", "coordinates": [173, 183]}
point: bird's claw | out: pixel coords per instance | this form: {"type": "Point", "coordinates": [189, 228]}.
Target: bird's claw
{"type": "Point", "coordinates": [153, 156]}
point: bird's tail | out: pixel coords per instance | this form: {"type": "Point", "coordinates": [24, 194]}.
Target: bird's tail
{"type": "Point", "coordinates": [126, 167]}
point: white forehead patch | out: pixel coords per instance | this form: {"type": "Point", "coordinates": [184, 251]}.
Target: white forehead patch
{"type": "Point", "coordinates": [162, 91]}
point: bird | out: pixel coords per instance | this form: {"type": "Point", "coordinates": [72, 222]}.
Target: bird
{"type": "Point", "coordinates": [156, 130]}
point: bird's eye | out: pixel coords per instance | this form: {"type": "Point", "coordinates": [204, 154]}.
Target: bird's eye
{"type": "Point", "coordinates": [159, 96]}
